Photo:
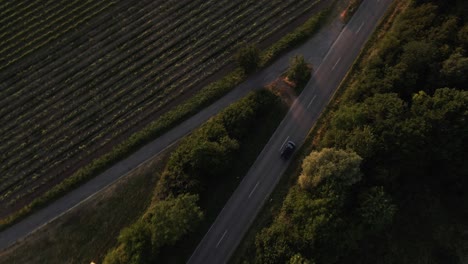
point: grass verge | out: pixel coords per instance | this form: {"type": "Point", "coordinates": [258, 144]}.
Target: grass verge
{"type": "Point", "coordinates": [86, 233]}
{"type": "Point", "coordinates": [246, 250]}
{"type": "Point", "coordinates": [206, 96]}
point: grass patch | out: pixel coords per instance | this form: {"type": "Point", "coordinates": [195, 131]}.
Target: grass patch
{"type": "Point", "coordinates": [86, 233]}
{"type": "Point", "coordinates": [246, 250]}
{"type": "Point", "coordinates": [206, 96]}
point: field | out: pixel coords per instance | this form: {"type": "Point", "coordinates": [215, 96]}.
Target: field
{"type": "Point", "coordinates": [78, 77]}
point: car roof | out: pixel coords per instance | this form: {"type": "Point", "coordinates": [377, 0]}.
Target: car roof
{"type": "Point", "coordinates": [291, 143]}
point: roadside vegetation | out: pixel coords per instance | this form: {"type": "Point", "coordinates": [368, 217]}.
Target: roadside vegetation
{"type": "Point", "coordinates": [248, 58]}
{"type": "Point", "coordinates": [175, 200]}
{"type": "Point", "coordinates": [64, 102]}
{"type": "Point", "coordinates": [199, 176]}
{"type": "Point", "coordinates": [87, 232]}
{"type": "Point", "coordinates": [384, 179]}
{"type": "Point", "coordinates": [81, 237]}
{"type": "Point", "coordinates": [299, 72]}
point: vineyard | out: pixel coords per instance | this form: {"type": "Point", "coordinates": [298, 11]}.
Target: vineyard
{"type": "Point", "coordinates": [77, 77]}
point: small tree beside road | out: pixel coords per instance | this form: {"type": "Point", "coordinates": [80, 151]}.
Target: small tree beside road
{"type": "Point", "coordinates": [248, 58]}
{"type": "Point", "coordinates": [299, 72]}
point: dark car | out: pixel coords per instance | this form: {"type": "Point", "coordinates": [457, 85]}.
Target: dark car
{"type": "Point", "coordinates": [288, 150]}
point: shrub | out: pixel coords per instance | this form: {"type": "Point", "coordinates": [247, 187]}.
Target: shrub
{"type": "Point", "coordinates": [299, 71]}
{"type": "Point", "coordinates": [248, 58]}
{"type": "Point", "coordinates": [162, 225]}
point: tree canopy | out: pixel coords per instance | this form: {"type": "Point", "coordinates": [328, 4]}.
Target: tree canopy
{"type": "Point", "coordinates": [163, 224]}
{"type": "Point", "coordinates": [390, 177]}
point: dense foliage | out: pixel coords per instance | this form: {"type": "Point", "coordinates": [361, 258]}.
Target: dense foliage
{"type": "Point", "coordinates": [207, 154]}
{"type": "Point", "coordinates": [404, 114]}
{"type": "Point", "coordinates": [299, 72]}
{"type": "Point", "coordinates": [248, 58]}
{"type": "Point", "coordinates": [163, 224]}
{"type": "Point", "coordinates": [313, 219]}
{"type": "Point", "coordinates": [201, 162]}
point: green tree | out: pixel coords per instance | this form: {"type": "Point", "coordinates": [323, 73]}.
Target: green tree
{"type": "Point", "coordinates": [310, 221]}
{"type": "Point", "coordinates": [338, 168]}
{"type": "Point", "coordinates": [463, 36]}
{"type": "Point", "coordinates": [377, 210]}
{"type": "Point", "coordinates": [276, 243]}
{"type": "Point", "coordinates": [171, 219]}
{"type": "Point", "coordinates": [366, 127]}
{"type": "Point", "coordinates": [209, 151]}
{"type": "Point", "coordinates": [444, 115]}
{"type": "Point", "coordinates": [136, 242]}
{"type": "Point", "coordinates": [201, 156]}
{"type": "Point", "coordinates": [163, 224]}
{"type": "Point", "coordinates": [248, 58]}
{"type": "Point", "coordinates": [135, 245]}
{"type": "Point", "coordinates": [361, 140]}
{"type": "Point", "coordinates": [299, 71]}
{"type": "Point", "coordinates": [299, 259]}
{"type": "Point", "coordinates": [455, 69]}
{"type": "Point", "coordinates": [116, 256]}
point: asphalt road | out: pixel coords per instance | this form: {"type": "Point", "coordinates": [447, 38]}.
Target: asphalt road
{"type": "Point", "coordinates": [239, 212]}
{"type": "Point", "coordinates": [313, 50]}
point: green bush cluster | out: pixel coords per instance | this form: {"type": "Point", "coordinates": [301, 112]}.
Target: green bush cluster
{"type": "Point", "coordinates": [208, 153]}
{"type": "Point", "coordinates": [404, 114]}
{"type": "Point", "coordinates": [299, 72]}
{"type": "Point", "coordinates": [314, 223]}
{"type": "Point", "coordinates": [164, 223]}
{"type": "Point", "coordinates": [202, 158]}
{"type": "Point", "coordinates": [248, 58]}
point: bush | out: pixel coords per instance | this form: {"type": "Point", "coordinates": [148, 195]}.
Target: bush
{"type": "Point", "coordinates": [209, 151]}
{"type": "Point", "coordinates": [337, 168]}
{"type": "Point", "coordinates": [376, 210]}
{"type": "Point", "coordinates": [162, 225]}
{"type": "Point", "coordinates": [310, 220]}
{"type": "Point", "coordinates": [299, 72]}
{"type": "Point", "coordinates": [248, 58]}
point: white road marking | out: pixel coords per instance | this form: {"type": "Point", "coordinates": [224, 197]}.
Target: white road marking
{"type": "Point", "coordinates": [311, 101]}
{"type": "Point", "coordinates": [284, 143]}
{"type": "Point", "coordinates": [336, 63]}
{"type": "Point", "coordinates": [253, 190]}
{"type": "Point", "coordinates": [221, 239]}
{"type": "Point", "coordinates": [359, 29]}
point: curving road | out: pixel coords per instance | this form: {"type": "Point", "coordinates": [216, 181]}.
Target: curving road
{"type": "Point", "coordinates": [313, 50]}
{"type": "Point", "coordinates": [239, 212]}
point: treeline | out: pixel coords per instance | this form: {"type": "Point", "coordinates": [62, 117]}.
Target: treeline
{"type": "Point", "coordinates": [388, 181]}
{"type": "Point", "coordinates": [201, 161]}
